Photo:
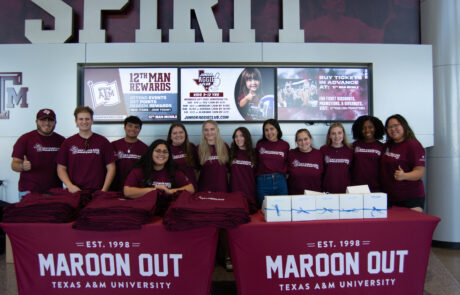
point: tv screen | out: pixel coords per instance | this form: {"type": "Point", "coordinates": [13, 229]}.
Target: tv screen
{"type": "Point", "coordinates": [323, 93]}
{"type": "Point", "coordinates": [116, 93]}
{"type": "Point", "coordinates": [227, 94]}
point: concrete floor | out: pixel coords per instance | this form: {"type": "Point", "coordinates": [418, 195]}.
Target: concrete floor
{"type": "Point", "coordinates": [443, 276]}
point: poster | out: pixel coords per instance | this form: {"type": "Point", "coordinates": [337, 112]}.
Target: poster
{"type": "Point", "coordinates": [227, 94]}
{"type": "Point", "coordinates": [115, 93]}
{"type": "Point", "coordinates": [322, 94]}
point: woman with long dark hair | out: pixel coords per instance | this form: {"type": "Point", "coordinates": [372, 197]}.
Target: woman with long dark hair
{"type": "Point", "coordinates": [272, 154]}
{"type": "Point", "coordinates": [156, 170]}
{"type": "Point", "coordinates": [403, 165]}
{"type": "Point", "coordinates": [183, 151]}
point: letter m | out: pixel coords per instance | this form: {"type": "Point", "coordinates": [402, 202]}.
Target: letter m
{"type": "Point", "coordinates": [274, 266]}
{"type": "Point", "coordinates": [46, 264]}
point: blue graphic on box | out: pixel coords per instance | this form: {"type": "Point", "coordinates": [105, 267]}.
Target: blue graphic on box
{"type": "Point", "coordinates": [152, 106]}
{"type": "Point", "coordinates": [374, 211]}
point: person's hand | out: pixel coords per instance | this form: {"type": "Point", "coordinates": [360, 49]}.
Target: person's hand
{"type": "Point", "coordinates": [400, 174]}
{"type": "Point", "coordinates": [73, 188]}
{"type": "Point", "coordinates": [163, 188]}
{"type": "Point", "coordinates": [26, 164]}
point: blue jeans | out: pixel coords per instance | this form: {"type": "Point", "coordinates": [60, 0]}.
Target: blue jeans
{"type": "Point", "coordinates": [270, 185]}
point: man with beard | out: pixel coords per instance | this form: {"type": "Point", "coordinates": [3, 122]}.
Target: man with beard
{"type": "Point", "coordinates": [34, 155]}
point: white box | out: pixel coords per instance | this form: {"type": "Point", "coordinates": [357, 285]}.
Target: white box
{"type": "Point", "coordinates": [358, 189]}
{"type": "Point", "coordinates": [312, 193]}
{"type": "Point", "coordinates": [351, 206]}
{"type": "Point", "coordinates": [303, 207]}
{"type": "Point", "coordinates": [327, 206]}
{"type": "Point", "coordinates": [277, 208]}
{"type": "Point", "coordinates": [375, 205]}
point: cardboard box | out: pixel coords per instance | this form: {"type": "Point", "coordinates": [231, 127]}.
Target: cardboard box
{"type": "Point", "coordinates": [327, 206]}
{"type": "Point", "coordinates": [351, 206]}
{"type": "Point", "coordinates": [303, 207]}
{"type": "Point", "coordinates": [375, 205]}
{"type": "Point", "coordinates": [358, 189]}
{"type": "Point", "coordinates": [277, 208]}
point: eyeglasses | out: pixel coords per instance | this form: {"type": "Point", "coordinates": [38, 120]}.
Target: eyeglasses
{"type": "Point", "coordinates": [393, 126]}
{"type": "Point", "coordinates": [86, 144]}
{"type": "Point", "coordinates": [161, 151]}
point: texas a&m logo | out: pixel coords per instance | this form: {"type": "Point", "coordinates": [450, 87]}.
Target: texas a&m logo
{"type": "Point", "coordinates": [207, 79]}
{"type": "Point", "coordinates": [8, 95]}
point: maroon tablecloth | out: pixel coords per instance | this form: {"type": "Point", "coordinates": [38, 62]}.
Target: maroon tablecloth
{"type": "Point", "coordinates": [370, 256]}
{"type": "Point", "coordinates": [56, 259]}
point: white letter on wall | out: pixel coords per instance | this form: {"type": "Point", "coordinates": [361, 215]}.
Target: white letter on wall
{"type": "Point", "coordinates": [291, 31]}
{"type": "Point", "coordinates": [62, 14]}
{"type": "Point", "coordinates": [148, 31]}
{"type": "Point", "coordinates": [208, 25]}
{"type": "Point", "coordinates": [242, 31]}
{"type": "Point", "coordinates": [92, 32]}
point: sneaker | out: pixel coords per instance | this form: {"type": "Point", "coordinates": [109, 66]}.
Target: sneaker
{"type": "Point", "coordinates": [228, 264]}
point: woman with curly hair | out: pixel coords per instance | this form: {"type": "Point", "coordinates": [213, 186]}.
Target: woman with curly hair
{"type": "Point", "coordinates": [367, 150]}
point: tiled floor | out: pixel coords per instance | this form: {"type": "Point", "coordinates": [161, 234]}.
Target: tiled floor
{"type": "Point", "coordinates": [443, 276]}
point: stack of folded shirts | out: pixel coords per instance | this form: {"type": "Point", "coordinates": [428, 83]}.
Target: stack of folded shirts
{"type": "Point", "coordinates": [222, 210]}
{"type": "Point", "coordinates": [110, 211]}
{"type": "Point", "coordinates": [55, 206]}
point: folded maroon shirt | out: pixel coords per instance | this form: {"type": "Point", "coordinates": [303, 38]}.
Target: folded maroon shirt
{"type": "Point", "coordinates": [111, 211]}
{"type": "Point", "coordinates": [223, 210]}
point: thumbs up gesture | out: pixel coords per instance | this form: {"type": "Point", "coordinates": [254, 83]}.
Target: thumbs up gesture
{"type": "Point", "coordinates": [400, 174]}
{"type": "Point", "coordinates": [26, 164]}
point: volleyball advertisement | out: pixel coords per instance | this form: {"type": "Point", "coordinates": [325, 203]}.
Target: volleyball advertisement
{"type": "Point", "coordinates": [227, 94]}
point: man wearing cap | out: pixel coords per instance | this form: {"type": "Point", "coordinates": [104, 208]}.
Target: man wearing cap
{"type": "Point", "coordinates": [34, 155]}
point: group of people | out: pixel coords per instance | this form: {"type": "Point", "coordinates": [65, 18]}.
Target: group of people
{"type": "Point", "coordinates": [88, 161]}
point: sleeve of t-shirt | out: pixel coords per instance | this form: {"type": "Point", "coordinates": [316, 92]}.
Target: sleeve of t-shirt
{"type": "Point", "coordinates": [417, 154]}
{"type": "Point", "coordinates": [61, 157]}
{"type": "Point", "coordinates": [109, 154]}
{"type": "Point", "coordinates": [181, 179]}
{"type": "Point", "coordinates": [134, 178]}
{"type": "Point", "coordinates": [20, 148]}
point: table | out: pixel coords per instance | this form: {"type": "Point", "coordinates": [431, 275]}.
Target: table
{"type": "Point", "coordinates": [56, 259]}
{"type": "Point", "coordinates": [367, 256]}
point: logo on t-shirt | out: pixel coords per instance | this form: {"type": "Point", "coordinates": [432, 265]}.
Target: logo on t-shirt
{"type": "Point", "coordinates": [242, 162]}
{"type": "Point", "coordinates": [75, 150]}
{"type": "Point", "coordinates": [392, 155]}
{"type": "Point", "coordinates": [167, 184]}
{"type": "Point", "coordinates": [122, 155]}
{"type": "Point", "coordinates": [328, 160]}
{"type": "Point", "coordinates": [39, 148]}
{"type": "Point", "coordinates": [267, 152]}
{"type": "Point", "coordinates": [297, 163]}
{"type": "Point", "coordinates": [368, 151]}
{"type": "Point", "coordinates": [180, 156]}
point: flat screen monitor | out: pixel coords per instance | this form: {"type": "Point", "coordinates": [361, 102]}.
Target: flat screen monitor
{"type": "Point", "coordinates": [227, 94]}
{"type": "Point", "coordinates": [115, 93]}
{"type": "Point", "coordinates": [323, 93]}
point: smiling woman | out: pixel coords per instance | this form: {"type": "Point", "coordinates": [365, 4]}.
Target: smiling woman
{"type": "Point", "coordinates": [156, 170]}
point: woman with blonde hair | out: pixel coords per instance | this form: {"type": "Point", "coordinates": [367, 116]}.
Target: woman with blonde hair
{"type": "Point", "coordinates": [338, 157]}
{"type": "Point", "coordinates": [213, 158]}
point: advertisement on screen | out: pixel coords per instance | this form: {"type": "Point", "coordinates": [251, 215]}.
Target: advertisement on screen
{"type": "Point", "coordinates": [322, 94]}
{"type": "Point", "coordinates": [115, 93]}
{"type": "Point", "coordinates": [227, 94]}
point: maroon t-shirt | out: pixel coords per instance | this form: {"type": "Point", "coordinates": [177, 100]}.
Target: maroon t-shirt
{"type": "Point", "coordinates": [127, 155]}
{"type": "Point", "coordinates": [178, 155]}
{"type": "Point", "coordinates": [242, 175]}
{"type": "Point", "coordinates": [86, 163]}
{"type": "Point", "coordinates": [406, 154]}
{"type": "Point", "coordinates": [272, 157]}
{"type": "Point", "coordinates": [135, 178]}
{"type": "Point", "coordinates": [213, 175]}
{"type": "Point", "coordinates": [305, 171]}
{"type": "Point", "coordinates": [366, 164]}
{"type": "Point", "coordinates": [337, 163]}
{"type": "Point", "coordinates": [41, 151]}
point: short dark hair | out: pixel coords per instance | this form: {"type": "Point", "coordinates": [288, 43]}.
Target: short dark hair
{"type": "Point", "coordinates": [133, 120]}
{"type": "Point", "coordinates": [83, 109]}
{"type": "Point", "coordinates": [358, 127]}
